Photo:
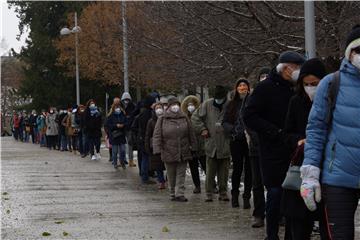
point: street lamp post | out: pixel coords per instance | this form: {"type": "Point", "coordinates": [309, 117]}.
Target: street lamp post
{"type": "Point", "coordinates": [75, 30]}
{"type": "Point", "coordinates": [310, 39]}
{"type": "Point", "coordinates": [125, 46]}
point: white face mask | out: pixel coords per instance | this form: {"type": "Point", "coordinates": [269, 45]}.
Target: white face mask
{"type": "Point", "coordinates": [92, 105]}
{"type": "Point", "coordinates": [191, 108]}
{"type": "Point", "coordinates": [175, 108]}
{"type": "Point", "coordinates": [310, 91]}
{"type": "Point", "coordinates": [356, 61]}
{"type": "Point", "coordinates": [117, 110]}
{"type": "Point", "coordinates": [295, 75]}
{"type": "Point", "coordinates": [159, 112]}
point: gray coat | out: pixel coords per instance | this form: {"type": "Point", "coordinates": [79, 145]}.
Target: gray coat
{"type": "Point", "coordinates": [208, 117]}
{"type": "Point", "coordinates": [174, 138]}
{"type": "Point", "coordinates": [52, 127]}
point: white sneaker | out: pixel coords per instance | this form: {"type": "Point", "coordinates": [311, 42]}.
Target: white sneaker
{"type": "Point", "coordinates": [98, 156]}
{"type": "Point", "coordinates": [93, 157]}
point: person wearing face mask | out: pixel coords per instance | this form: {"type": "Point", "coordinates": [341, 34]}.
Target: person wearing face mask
{"type": "Point", "coordinates": [33, 127]}
{"type": "Point", "coordinates": [62, 130]}
{"type": "Point", "coordinates": [155, 159]}
{"type": "Point", "coordinates": [332, 146]}
{"type": "Point", "coordinates": [188, 106]}
{"type": "Point", "coordinates": [80, 120]}
{"type": "Point", "coordinates": [265, 114]}
{"type": "Point", "coordinates": [300, 220]}
{"type": "Point", "coordinates": [129, 107]}
{"type": "Point", "coordinates": [174, 139]}
{"type": "Point", "coordinates": [234, 127]}
{"type": "Point", "coordinates": [40, 122]}
{"type": "Point", "coordinates": [52, 129]}
{"type": "Point", "coordinates": [116, 124]}
{"type": "Point", "coordinates": [208, 121]}
{"type": "Point", "coordinates": [93, 128]}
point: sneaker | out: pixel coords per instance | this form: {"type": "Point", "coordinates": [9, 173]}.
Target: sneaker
{"type": "Point", "coordinates": [93, 157]}
{"type": "Point", "coordinates": [181, 199]}
{"type": "Point", "coordinates": [257, 222]}
{"type": "Point", "coordinates": [98, 156]}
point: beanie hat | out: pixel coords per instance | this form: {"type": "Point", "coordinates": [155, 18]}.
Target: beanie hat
{"type": "Point", "coordinates": [313, 67]}
{"type": "Point", "coordinates": [173, 100]}
{"type": "Point", "coordinates": [353, 40]}
{"type": "Point", "coordinates": [220, 92]}
{"type": "Point", "coordinates": [264, 70]}
{"type": "Point", "coordinates": [125, 95]}
{"type": "Point", "coordinates": [148, 101]}
{"type": "Point", "coordinates": [242, 81]}
{"type": "Point", "coordinates": [291, 57]}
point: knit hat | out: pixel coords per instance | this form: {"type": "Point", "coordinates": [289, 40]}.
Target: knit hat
{"type": "Point", "coordinates": [126, 95]}
{"type": "Point", "coordinates": [291, 57]}
{"type": "Point", "coordinates": [173, 100]}
{"type": "Point", "coordinates": [264, 70]}
{"type": "Point", "coordinates": [353, 40]}
{"type": "Point", "coordinates": [220, 92]}
{"type": "Point", "coordinates": [148, 101]}
{"type": "Point", "coordinates": [243, 81]}
{"type": "Point", "coordinates": [313, 67]}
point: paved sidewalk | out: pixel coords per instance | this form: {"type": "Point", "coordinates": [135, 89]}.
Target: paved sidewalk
{"type": "Point", "coordinates": [59, 193]}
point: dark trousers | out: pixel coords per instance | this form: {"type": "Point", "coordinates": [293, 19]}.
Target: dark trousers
{"type": "Point", "coordinates": [340, 206]}
{"type": "Point", "coordinates": [139, 158]}
{"type": "Point", "coordinates": [273, 201]}
{"type": "Point", "coordinates": [94, 142]}
{"type": "Point", "coordinates": [16, 133]}
{"type": "Point", "coordinates": [257, 187]}
{"type": "Point", "coordinates": [194, 169]}
{"type": "Point", "coordinates": [240, 158]}
{"type": "Point", "coordinates": [52, 141]}
{"type": "Point", "coordinates": [298, 229]}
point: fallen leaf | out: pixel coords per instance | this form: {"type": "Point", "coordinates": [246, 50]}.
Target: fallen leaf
{"type": "Point", "coordinates": [46, 162]}
{"type": "Point", "coordinates": [8, 211]}
{"type": "Point", "coordinates": [45, 234]}
{"type": "Point", "coordinates": [59, 222]}
{"type": "Point", "coordinates": [5, 193]}
{"type": "Point", "coordinates": [65, 234]}
{"type": "Point", "coordinates": [6, 198]}
{"type": "Point", "coordinates": [165, 229]}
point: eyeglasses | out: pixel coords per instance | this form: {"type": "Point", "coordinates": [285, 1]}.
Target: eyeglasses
{"type": "Point", "coordinates": [356, 50]}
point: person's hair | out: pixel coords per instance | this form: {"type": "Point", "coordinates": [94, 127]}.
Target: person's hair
{"type": "Point", "coordinates": [89, 102]}
{"type": "Point", "coordinates": [113, 106]}
{"type": "Point", "coordinates": [233, 104]}
{"type": "Point", "coordinates": [280, 67]}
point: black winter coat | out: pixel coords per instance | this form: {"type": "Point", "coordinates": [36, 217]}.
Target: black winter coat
{"type": "Point", "coordinates": [111, 123]}
{"type": "Point", "coordinates": [265, 114]}
{"type": "Point", "coordinates": [155, 159]}
{"type": "Point", "coordinates": [229, 122]}
{"type": "Point", "coordinates": [139, 127]}
{"type": "Point", "coordinates": [92, 124]}
{"type": "Point", "coordinates": [61, 127]}
{"type": "Point", "coordinates": [129, 110]}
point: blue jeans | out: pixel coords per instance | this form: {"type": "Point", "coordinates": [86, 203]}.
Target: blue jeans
{"type": "Point", "coordinates": [63, 142]}
{"type": "Point", "coordinates": [118, 149]}
{"type": "Point", "coordinates": [160, 175]}
{"type": "Point", "coordinates": [273, 200]}
{"type": "Point", "coordinates": [144, 166]}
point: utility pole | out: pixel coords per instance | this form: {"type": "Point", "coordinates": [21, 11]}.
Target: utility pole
{"type": "Point", "coordinates": [125, 46]}
{"type": "Point", "coordinates": [77, 62]}
{"type": "Point", "coordinates": [310, 38]}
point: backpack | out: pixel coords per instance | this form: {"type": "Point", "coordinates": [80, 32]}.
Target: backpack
{"type": "Point", "coordinates": [332, 93]}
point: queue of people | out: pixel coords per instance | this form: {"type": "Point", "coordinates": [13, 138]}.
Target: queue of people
{"type": "Point", "coordinates": [297, 117]}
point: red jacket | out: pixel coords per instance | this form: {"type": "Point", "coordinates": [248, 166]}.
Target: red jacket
{"type": "Point", "coordinates": [16, 122]}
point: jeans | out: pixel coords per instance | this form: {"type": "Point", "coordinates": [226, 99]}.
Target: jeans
{"type": "Point", "coordinates": [63, 142]}
{"type": "Point", "coordinates": [83, 143]}
{"type": "Point", "coordinates": [240, 158]}
{"type": "Point", "coordinates": [118, 149]}
{"type": "Point", "coordinates": [94, 142]}
{"type": "Point", "coordinates": [273, 202]}
{"type": "Point", "coordinates": [160, 175]}
{"type": "Point", "coordinates": [42, 140]}
{"type": "Point", "coordinates": [34, 135]}
{"type": "Point", "coordinates": [144, 166]}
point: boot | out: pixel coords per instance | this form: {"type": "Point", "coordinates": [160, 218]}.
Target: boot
{"type": "Point", "coordinates": [131, 163]}
{"type": "Point", "coordinates": [258, 222]}
{"type": "Point", "coordinates": [197, 190]}
{"type": "Point", "coordinates": [235, 198]}
{"type": "Point", "coordinates": [246, 203]}
{"type": "Point", "coordinates": [110, 155]}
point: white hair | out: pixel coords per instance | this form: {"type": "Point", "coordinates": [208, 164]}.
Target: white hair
{"type": "Point", "coordinates": [280, 67]}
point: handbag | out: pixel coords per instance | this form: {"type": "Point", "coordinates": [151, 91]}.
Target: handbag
{"type": "Point", "coordinates": [293, 180]}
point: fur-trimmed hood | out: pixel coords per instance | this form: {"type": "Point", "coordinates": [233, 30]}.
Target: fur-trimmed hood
{"type": "Point", "coordinates": [189, 99]}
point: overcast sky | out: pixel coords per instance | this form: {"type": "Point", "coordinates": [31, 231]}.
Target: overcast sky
{"type": "Point", "coordinates": [9, 30]}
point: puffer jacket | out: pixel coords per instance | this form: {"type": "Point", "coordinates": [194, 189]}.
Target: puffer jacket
{"type": "Point", "coordinates": [199, 139]}
{"type": "Point", "coordinates": [52, 127]}
{"type": "Point", "coordinates": [208, 117]}
{"type": "Point", "coordinates": [174, 138]}
{"type": "Point", "coordinates": [341, 166]}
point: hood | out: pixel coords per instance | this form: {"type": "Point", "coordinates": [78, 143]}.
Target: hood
{"type": "Point", "coordinates": [126, 95]}
{"type": "Point", "coordinates": [189, 99]}
{"type": "Point", "coordinates": [347, 67]}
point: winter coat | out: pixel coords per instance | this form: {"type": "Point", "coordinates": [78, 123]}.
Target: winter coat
{"type": "Point", "coordinates": [208, 117]}
{"type": "Point", "coordinates": [129, 109]}
{"type": "Point", "coordinates": [254, 148]}
{"type": "Point", "coordinates": [230, 124]}
{"type": "Point", "coordinates": [16, 122]}
{"type": "Point", "coordinates": [174, 138]}
{"type": "Point", "coordinates": [199, 139]}
{"type": "Point", "coordinates": [155, 159]}
{"type": "Point", "coordinates": [139, 127]}
{"type": "Point", "coordinates": [92, 124]}
{"type": "Point", "coordinates": [68, 121]}
{"type": "Point", "coordinates": [62, 126]}
{"type": "Point", "coordinates": [41, 124]}
{"type": "Point", "coordinates": [111, 123]}
{"type": "Point", "coordinates": [52, 127]}
{"type": "Point", "coordinates": [340, 145]}
{"type": "Point", "coordinates": [32, 121]}
{"type": "Point", "coordinates": [265, 114]}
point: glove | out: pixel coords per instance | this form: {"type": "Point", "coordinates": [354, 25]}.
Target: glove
{"type": "Point", "coordinates": [310, 187]}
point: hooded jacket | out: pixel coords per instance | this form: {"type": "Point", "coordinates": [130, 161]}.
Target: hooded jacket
{"type": "Point", "coordinates": [339, 143]}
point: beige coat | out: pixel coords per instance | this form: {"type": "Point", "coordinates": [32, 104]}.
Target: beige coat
{"type": "Point", "coordinates": [174, 138]}
{"type": "Point", "coordinates": [208, 117]}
